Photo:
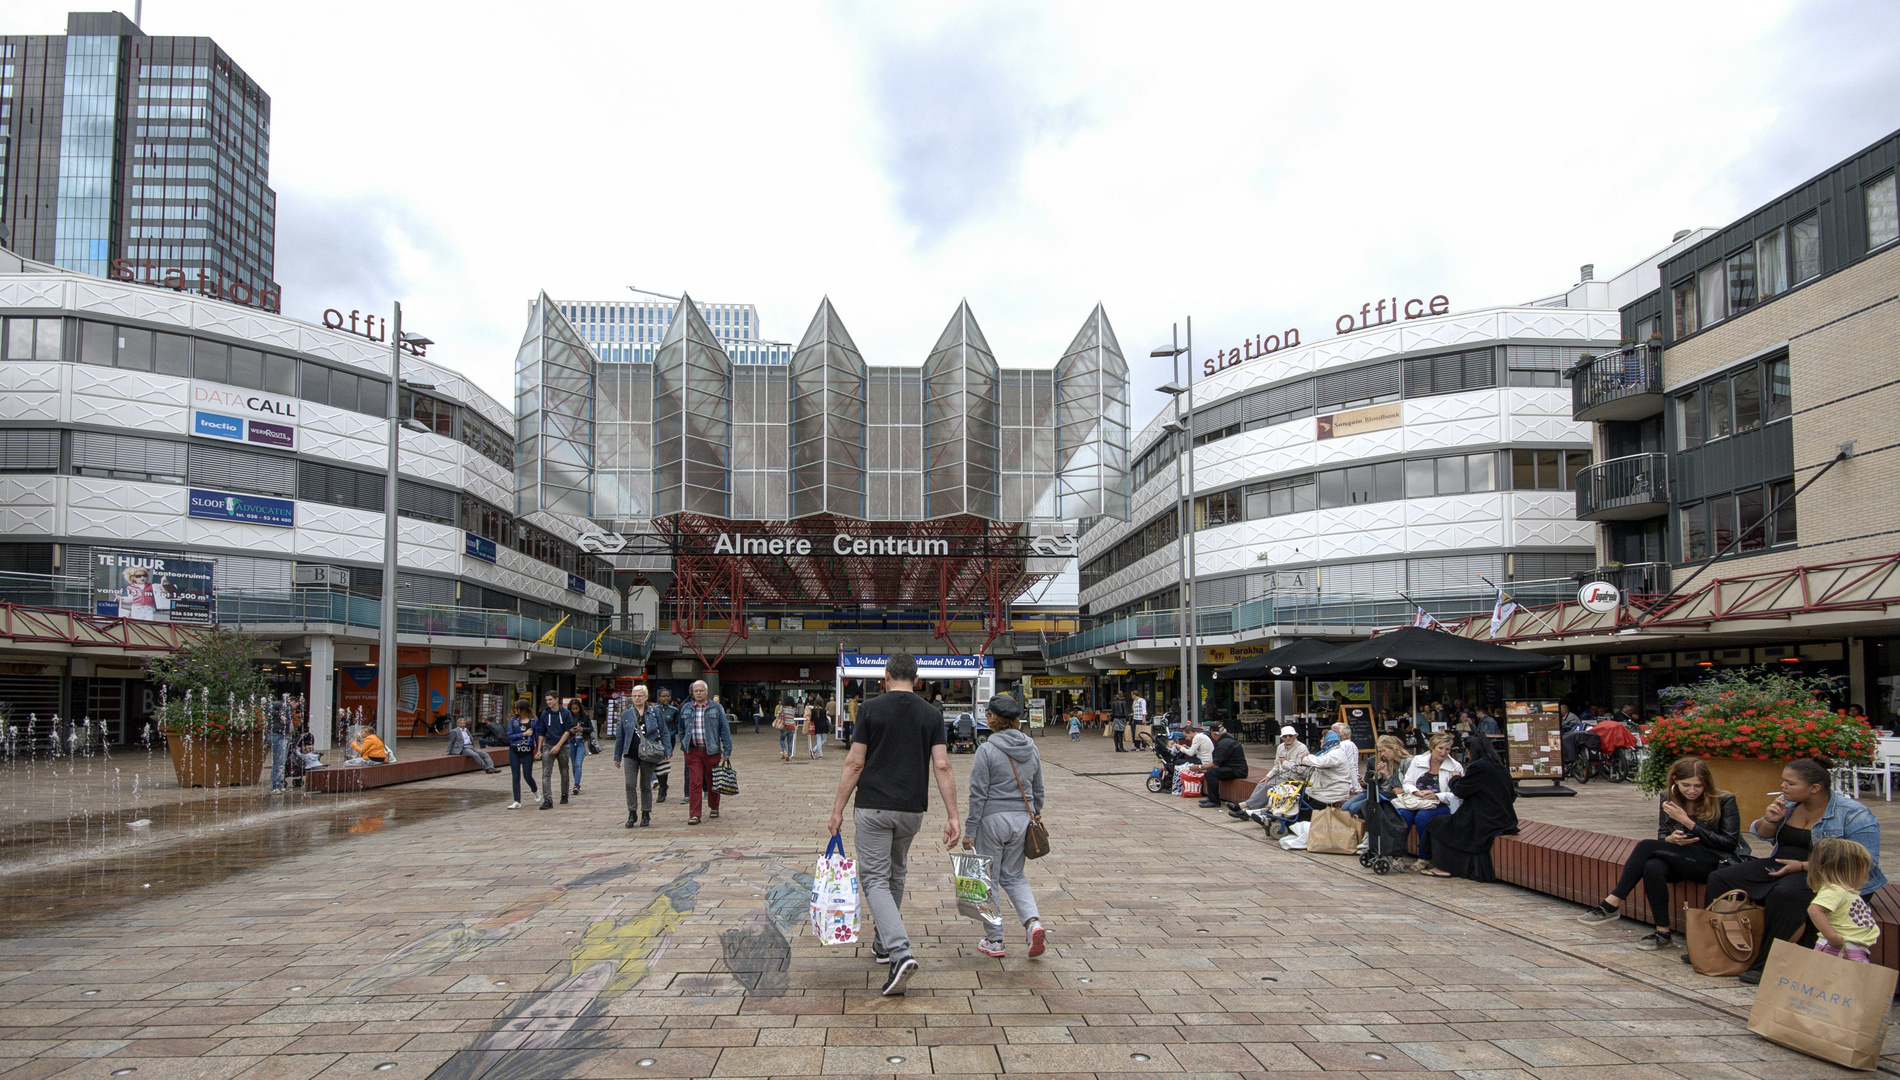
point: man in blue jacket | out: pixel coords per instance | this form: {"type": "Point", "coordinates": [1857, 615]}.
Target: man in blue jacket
{"type": "Point", "coordinates": [707, 737]}
{"type": "Point", "coordinates": [554, 730]}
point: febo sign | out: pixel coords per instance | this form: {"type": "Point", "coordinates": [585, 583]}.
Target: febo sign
{"type": "Point", "coordinates": [246, 416]}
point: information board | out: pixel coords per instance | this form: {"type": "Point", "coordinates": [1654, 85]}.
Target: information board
{"type": "Point", "coordinates": [1536, 746]}
{"type": "Point", "coordinates": [1359, 719]}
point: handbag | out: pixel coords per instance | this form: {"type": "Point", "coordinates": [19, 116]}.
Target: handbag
{"type": "Point", "coordinates": [1036, 837]}
{"type": "Point", "coordinates": [1334, 832]}
{"type": "Point", "coordinates": [1406, 800]}
{"type": "Point", "coordinates": [651, 750]}
{"type": "Point", "coordinates": [1823, 1006]}
{"type": "Point", "coordinates": [725, 780]}
{"type": "Point", "coordinates": [1726, 935]}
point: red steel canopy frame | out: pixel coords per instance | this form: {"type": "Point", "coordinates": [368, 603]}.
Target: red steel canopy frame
{"type": "Point", "coordinates": [101, 633]}
{"type": "Point", "coordinates": [958, 564]}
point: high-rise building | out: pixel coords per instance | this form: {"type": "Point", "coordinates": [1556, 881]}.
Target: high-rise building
{"type": "Point", "coordinates": [629, 331]}
{"type": "Point", "coordinates": [133, 156]}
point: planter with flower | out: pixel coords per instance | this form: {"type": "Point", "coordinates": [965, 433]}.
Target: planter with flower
{"type": "Point", "coordinates": [1747, 724]}
{"type": "Point", "coordinates": [210, 712]}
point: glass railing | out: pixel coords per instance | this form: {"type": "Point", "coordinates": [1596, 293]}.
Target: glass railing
{"type": "Point", "coordinates": [1341, 615]}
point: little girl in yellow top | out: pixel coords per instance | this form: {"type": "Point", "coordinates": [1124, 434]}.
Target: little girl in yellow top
{"type": "Point", "coordinates": [1837, 871]}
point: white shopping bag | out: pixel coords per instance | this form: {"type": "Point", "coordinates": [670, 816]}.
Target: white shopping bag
{"type": "Point", "coordinates": [834, 896]}
{"type": "Point", "coordinates": [1295, 838]}
{"type": "Point", "coordinates": [973, 877]}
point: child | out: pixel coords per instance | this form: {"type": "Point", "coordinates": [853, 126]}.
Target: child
{"type": "Point", "coordinates": [1837, 871]}
{"type": "Point", "coordinates": [1075, 727]}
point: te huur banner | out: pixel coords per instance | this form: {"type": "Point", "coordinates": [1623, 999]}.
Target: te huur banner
{"type": "Point", "coordinates": [151, 587]}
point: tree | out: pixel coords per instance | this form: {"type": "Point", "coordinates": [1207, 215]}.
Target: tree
{"type": "Point", "coordinates": [214, 670]}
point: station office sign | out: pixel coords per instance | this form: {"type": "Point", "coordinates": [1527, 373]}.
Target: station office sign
{"type": "Point", "coordinates": [244, 416]}
{"type": "Point", "coordinates": [1361, 421]}
{"type": "Point", "coordinates": [248, 509]}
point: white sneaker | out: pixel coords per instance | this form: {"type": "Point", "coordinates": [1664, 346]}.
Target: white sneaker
{"type": "Point", "coordinates": [514, 806]}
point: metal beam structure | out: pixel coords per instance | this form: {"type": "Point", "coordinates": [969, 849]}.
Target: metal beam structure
{"type": "Point", "coordinates": [105, 634]}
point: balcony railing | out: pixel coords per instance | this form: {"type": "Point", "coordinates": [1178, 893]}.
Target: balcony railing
{"type": "Point", "coordinates": [1621, 385]}
{"type": "Point", "coordinates": [1635, 579]}
{"type": "Point", "coordinates": [1624, 489]}
{"type": "Point", "coordinates": [1342, 615]}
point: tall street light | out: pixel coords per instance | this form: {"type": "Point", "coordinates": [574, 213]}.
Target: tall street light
{"type": "Point", "coordinates": [386, 643]}
{"type": "Point", "coordinates": [1182, 428]}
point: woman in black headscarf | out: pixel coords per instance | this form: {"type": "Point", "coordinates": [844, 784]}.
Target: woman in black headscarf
{"type": "Point", "coordinates": [1461, 842]}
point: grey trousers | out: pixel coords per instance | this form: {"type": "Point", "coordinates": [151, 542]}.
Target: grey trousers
{"type": "Point", "coordinates": [548, 761]}
{"type": "Point", "coordinates": [639, 784]}
{"type": "Point", "coordinates": [1000, 836]}
{"type": "Point", "coordinates": [882, 839]}
{"type": "Point", "coordinates": [480, 757]}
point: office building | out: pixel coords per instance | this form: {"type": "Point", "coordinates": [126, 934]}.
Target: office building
{"type": "Point", "coordinates": [139, 157]}
{"type": "Point", "coordinates": [629, 331]}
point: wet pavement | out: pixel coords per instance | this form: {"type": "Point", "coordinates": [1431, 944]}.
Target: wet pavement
{"type": "Point", "coordinates": [426, 931]}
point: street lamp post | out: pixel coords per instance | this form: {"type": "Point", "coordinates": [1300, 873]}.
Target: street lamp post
{"type": "Point", "coordinates": [1183, 428]}
{"type": "Point", "coordinates": [386, 630]}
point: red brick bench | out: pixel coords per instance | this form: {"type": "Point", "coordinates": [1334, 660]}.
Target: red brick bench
{"type": "Point", "coordinates": [1582, 866]}
{"type": "Point", "coordinates": [336, 778]}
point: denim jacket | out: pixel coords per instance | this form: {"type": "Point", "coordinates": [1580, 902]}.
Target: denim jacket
{"type": "Point", "coordinates": [654, 723]}
{"type": "Point", "coordinates": [1849, 818]}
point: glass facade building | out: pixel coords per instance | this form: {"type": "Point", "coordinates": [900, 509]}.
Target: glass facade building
{"type": "Point", "coordinates": [129, 155]}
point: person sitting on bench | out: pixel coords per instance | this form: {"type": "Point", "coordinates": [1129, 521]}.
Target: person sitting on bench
{"type": "Point", "coordinates": [1335, 771]}
{"type": "Point", "coordinates": [366, 748]}
{"type": "Point", "coordinates": [460, 743]}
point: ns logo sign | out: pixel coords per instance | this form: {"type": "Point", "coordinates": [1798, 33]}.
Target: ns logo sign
{"type": "Point", "coordinates": [601, 543]}
{"type": "Point", "coordinates": [1054, 546]}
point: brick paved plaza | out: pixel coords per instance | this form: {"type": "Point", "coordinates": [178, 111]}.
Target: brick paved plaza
{"type": "Point", "coordinates": [427, 932]}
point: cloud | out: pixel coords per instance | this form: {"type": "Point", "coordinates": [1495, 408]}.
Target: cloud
{"type": "Point", "coordinates": [355, 251]}
{"type": "Point", "coordinates": [960, 106]}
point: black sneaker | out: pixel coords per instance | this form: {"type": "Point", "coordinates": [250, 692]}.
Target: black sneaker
{"type": "Point", "coordinates": [563, 800]}
{"type": "Point", "coordinates": [880, 957]}
{"type": "Point", "coordinates": [1749, 978]}
{"type": "Point", "coordinates": [1661, 939]}
{"type": "Point", "coordinates": [545, 806]}
{"type": "Point", "coordinates": [902, 970]}
{"type": "Point", "coordinates": [1602, 913]}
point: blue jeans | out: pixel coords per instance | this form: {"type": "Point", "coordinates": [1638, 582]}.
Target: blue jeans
{"type": "Point", "coordinates": [1356, 805]}
{"type": "Point", "coordinates": [1418, 819]}
{"type": "Point", "coordinates": [785, 737]}
{"type": "Point", "coordinates": [279, 753]}
{"type": "Point", "coordinates": [520, 765]}
{"type": "Point", "coordinates": [578, 753]}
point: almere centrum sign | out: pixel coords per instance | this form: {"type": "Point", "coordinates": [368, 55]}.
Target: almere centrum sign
{"type": "Point", "coordinates": [841, 544]}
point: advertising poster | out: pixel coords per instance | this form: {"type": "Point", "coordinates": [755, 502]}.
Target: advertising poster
{"type": "Point", "coordinates": [152, 588]}
{"type": "Point", "coordinates": [246, 416]}
{"type": "Point", "coordinates": [250, 509]}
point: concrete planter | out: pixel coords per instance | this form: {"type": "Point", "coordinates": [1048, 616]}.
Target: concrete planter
{"type": "Point", "coordinates": [233, 761]}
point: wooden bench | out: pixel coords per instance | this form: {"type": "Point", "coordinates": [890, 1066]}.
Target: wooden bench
{"type": "Point", "coordinates": [1582, 866]}
{"type": "Point", "coordinates": [1238, 791]}
{"type": "Point", "coordinates": [337, 778]}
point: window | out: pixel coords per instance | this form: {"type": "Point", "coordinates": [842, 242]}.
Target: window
{"type": "Point", "coordinates": [1213, 511]}
{"type": "Point", "coordinates": [1450, 372]}
{"type": "Point", "coordinates": [1781, 494]}
{"type": "Point", "coordinates": [1451, 475]}
{"type": "Point", "coordinates": [35, 339]}
{"type": "Point", "coordinates": [1717, 421]}
{"type": "Point", "coordinates": [1686, 309]}
{"type": "Point", "coordinates": [1291, 496]}
{"type": "Point", "coordinates": [1721, 523]}
{"type": "Point", "coordinates": [241, 470]}
{"type": "Point", "coordinates": [1883, 214]}
{"type": "Point", "coordinates": [338, 486]}
{"type": "Point", "coordinates": [1780, 393]}
{"type": "Point", "coordinates": [1540, 365]}
{"type": "Point", "coordinates": [1748, 519]}
{"type": "Point", "coordinates": [29, 450]}
{"type": "Point", "coordinates": [1547, 470]}
{"type": "Point", "coordinates": [128, 457]}
{"type": "Point", "coordinates": [1332, 488]}
{"type": "Point", "coordinates": [1741, 281]}
{"type": "Point", "coordinates": [1771, 266]}
{"type": "Point", "coordinates": [1709, 288]}
{"type": "Point", "coordinates": [1695, 532]}
{"type": "Point", "coordinates": [1420, 478]}
{"type": "Point", "coordinates": [172, 354]}
{"type": "Point", "coordinates": [1745, 394]}
{"type": "Point", "coordinates": [211, 361]}
{"type": "Point", "coordinates": [424, 503]}
{"type": "Point", "coordinates": [1804, 242]}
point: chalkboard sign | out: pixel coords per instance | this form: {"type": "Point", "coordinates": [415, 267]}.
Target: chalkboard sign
{"type": "Point", "coordinates": [1359, 718]}
{"type": "Point", "coordinates": [1534, 741]}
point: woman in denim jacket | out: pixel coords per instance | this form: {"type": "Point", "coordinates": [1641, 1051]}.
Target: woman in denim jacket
{"type": "Point", "coordinates": [1808, 810]}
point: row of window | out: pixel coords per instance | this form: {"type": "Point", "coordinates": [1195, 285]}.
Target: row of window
{"type": "Point", "coordinates": [1733, 402]}
{"type": "Point", "coordinates": [1422, 376]}
{"type": "Point", "coordinates": [1775, 262]}
{"type": "Point", "coordinates": [159, 461]}
{"type": "Point", "coordinates": [1412, 478]}
{"type": "Point", "coordinates": [184, 356]}
{"type": "Point", "coordinates": [1710, 526]}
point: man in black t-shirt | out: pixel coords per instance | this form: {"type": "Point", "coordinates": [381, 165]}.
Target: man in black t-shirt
{"type": "Point", "coordinates": [895, 748]}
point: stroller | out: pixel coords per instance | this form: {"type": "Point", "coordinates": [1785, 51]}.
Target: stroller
{"type": "Point", "coordinates": [1283, 804]}
{"type": "Point", "coordinates": [1161, 777]}
{"type": "Point", "coordinates": [1385, 834]}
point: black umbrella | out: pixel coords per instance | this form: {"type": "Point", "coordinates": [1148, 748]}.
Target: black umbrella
{"type": "Point", "coordinates": [1426, 652]}
{"type": "Point", "coordinates": [1286, 662]}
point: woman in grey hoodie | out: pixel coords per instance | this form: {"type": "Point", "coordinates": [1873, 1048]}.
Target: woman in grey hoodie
{"type": "Point", "coordinates": [1007, 772]}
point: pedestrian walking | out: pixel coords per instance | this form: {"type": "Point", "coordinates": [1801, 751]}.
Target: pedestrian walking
{"type": "Point", "coordinates": [895, 749]}
{"type": "Point", "coordinates": [786, 721]}
{"type": "Point", "coordinates": [521, 749]}
{"type": "Point", "coordinates": [461, 742]}
{"type": "Point", "coordinates": [1005, 789]}
{"type": "Point", "coordinates": [583, 735]}
{"type": "Point", "coordinates": [707, 737]}
{"type": "Point", "coordinates": [670, 715]}
{"type": "Point", "coordinates": [640, 721]}
{"type": "Point", "coordinates": [553, 734]}
{"type": "Point", "coordinates": [1075, 726]}
{"type": "Point", "coordinates": [1138, 716]}
{"type": "Point", "coordinates": [1118, 719]}
{"type": "Point", "coordinates": [280, 731]}
{"type": "Point", "coordinates": [820, 728]}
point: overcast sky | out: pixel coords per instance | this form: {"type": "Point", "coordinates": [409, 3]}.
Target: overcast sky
{"type": "Point", "coordinates": [1256, 166]}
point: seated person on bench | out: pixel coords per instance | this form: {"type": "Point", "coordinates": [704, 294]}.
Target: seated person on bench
{"type": "Point", "coordinates": [1335, 771]}
{"type": "Point", "coordinates": [460, 743]}
{"type": "Point", "coordinates": [1286, 757]}
{"type": "Point", "coordinates": [366, 748]}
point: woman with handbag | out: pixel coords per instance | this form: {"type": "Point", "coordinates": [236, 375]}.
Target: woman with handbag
{"type": "Point", "coordinates": [521, 750]}
{"type": "Point", "coordinates": [1005, 819]}
{"type": "Point", "coordinates": [786, 721]}
{"type": "Point", "coordinates": [1425, 792]}
{"type": "Point", "coordinates": [643, 740]}
{"type": "Point", "coordinates": [1698, 831]}
{"type": "Point", "coordinates": [1461, 842]}
{"type": "Point", "coordinates": [1385, 769]}
{"type": "Point", "coordinates": [1808, 810]}
{"type": "Point", "coordinates": [820, 728]}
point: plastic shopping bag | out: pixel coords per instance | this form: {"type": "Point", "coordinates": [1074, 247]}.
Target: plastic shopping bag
{"type": "Point", "coordinates": [974, 877]}
{"type": "Point", "coordinates": [1295, 838]}
{"type": "Point", "coordinates": [834, 896]}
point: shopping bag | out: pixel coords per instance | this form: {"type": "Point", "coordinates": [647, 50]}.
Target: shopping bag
{"type": "Point", "coordinates": [1726, 935]}
{"type": "Point", "coordinates": [1295, 838]}
{"type": "Point", "coordinates": [834, 896]}
{"type": "Point", "coordinates": [1191, 784]}
{"type": "Point", "coordinates": [1334, 832]}
{"type": "Point", "coordinates": [974, 878]}
{"type": "Point", "coordinates": [1822, 1005]}
{"type": "Point", "coordinates": [725, 779]}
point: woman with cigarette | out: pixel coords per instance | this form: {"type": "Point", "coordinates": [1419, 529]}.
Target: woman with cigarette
{"type": "Point", "coordinates": [1807, 810]}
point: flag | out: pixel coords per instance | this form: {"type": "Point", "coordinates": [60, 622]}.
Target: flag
{"type": "Point", "coordinates": [1423, 620]}
{"type": "Point", "coordinates": [594, 645]}
{"type": "Point", "coordinates": [1501, 612]}
{"type": "Point", "coordinates": [548, 638]}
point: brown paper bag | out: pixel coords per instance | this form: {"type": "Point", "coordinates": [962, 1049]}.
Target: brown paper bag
{"type": "Point", "coordinates": [1334, 832]}
{"type": "Point", "coordinates": [1823, 1006]}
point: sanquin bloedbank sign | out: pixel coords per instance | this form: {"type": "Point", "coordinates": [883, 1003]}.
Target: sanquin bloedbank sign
{"type": "Point", "coordinates": [840, 544]}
